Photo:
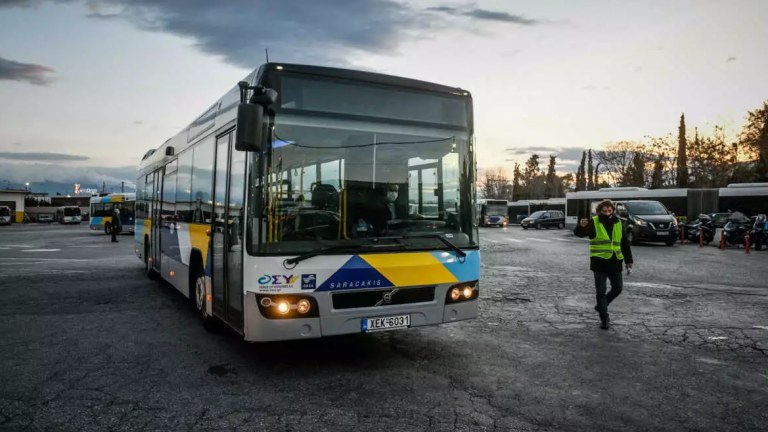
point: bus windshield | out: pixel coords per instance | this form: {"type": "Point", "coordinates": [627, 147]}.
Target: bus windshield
{"type": "Point", "coordinates": [332, 181]}
{"type": "Point", "coordinates": [71, 211]}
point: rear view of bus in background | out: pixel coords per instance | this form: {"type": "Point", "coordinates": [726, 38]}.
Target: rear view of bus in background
{"type": "Point", "coordinates": [103, 207]}
{"type": "Point", "coordinates": [69, 215]}
{"type": "Point", "coordinates": [5, 215]}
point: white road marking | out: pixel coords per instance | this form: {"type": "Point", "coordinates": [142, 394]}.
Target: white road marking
{"type": "Point", "coordinates": [489, 240]}
{"type": "Point", "coordinates": [717, 338]}
{"type": "Point", "coordinates": [41, 250]}
{"type": "Point", "coordinates": [760, 327]}
{"type": "Point", "coordinates": [88, 246]}
{"type": "Point", "coordinates": [513, 240]}
{"type": "Point", "coordinates": [38, 272]}
{"type": "Point", "coordinates": [537, 239]}
{"type": "Point", "coordinates": [562, 239]}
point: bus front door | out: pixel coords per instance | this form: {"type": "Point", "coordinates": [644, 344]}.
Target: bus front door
{"type": "Point", "coordinates": [227, 233]}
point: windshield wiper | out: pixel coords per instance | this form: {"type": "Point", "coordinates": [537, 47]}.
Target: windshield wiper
{"type": "Point", "coordinates": [326, 250]}
{"type": "Point", "coordinates": [440, 237]}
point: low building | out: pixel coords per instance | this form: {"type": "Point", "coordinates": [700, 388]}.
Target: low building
{"type": "Point", "coordinates": [14, 199]}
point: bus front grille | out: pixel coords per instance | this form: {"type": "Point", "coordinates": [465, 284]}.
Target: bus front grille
{"type": "Point", "coordinates": [383, 297]}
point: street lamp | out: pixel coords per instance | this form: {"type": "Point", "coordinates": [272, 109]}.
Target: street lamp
{"type": "Point", "coordinates": [27, 185]}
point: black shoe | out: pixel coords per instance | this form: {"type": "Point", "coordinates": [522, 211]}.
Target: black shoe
{"type": "Point", "coordinates": [115, 241]}
{"type": "Point", "coordinates": [597, 308]}
{"type": "Point", "coordinates": [606, 323]}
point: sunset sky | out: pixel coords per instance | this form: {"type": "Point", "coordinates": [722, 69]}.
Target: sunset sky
{"type": "Point", "coordinates": [87, 87]}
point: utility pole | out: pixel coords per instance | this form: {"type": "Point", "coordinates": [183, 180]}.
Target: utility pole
{"type": "Point", "coordinates": [122, 187]}
{"type": "Point", "coordinates": [104, 186]}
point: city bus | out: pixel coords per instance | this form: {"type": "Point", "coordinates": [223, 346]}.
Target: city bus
{"type": "Point", "coordinates": [492, 212]}
{"type": "Point", "coordinates": [5, 215]}
{"type": "Point", "coordinates": [102, 208]}
{"type": "Point", "coordinates": [68, 215]}
{"type": "Point", "coordinates": [312, 201]}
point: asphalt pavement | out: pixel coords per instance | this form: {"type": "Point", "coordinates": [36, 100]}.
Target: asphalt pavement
{"type": "Point", "coordinates": [89, 344]}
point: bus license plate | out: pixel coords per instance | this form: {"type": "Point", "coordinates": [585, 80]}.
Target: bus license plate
{"type": "Point", "coordinates": [662, 233]}
{"type": "Point", "coordinates": [386, 323]}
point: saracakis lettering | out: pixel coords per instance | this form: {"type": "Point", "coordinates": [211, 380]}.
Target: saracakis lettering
{"type": "Point", "coordinates": [356, 284]}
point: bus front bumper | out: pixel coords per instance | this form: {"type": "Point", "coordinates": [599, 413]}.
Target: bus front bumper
{"type": "Point", "coordinates": [261, 329]}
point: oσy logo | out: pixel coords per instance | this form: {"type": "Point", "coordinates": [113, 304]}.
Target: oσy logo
{"type": "Point", "coordinates": [308, 281]}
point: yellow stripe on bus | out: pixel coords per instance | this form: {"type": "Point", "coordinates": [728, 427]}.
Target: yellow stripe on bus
{"type": "Point", "coordinates": [408, 269]}
{"type": "Point", "coordinates": [198, 238]}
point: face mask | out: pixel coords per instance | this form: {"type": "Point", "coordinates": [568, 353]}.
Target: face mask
{"type": "Point", "coordinates": [391, 196]}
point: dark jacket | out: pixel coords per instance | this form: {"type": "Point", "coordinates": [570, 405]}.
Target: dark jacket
{"type": "Point", "coordinates": [600, 265]}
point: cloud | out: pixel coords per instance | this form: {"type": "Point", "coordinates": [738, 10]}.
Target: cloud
{"type": "Point", "coordinates": [138, 122]}
{"type": "Point", "coordinates": [42, 156]}
{"type": "Point", "coordinates": [25, 72]}
{"type": "Point", "coordinates": [637, 69]}
{"type": "Point", "coordinates": [730, 59]}
{"type": "Point", "coordinates": [589, 87]}
{"type": "Point", "coordinates": [39, 172]}
{"type": "Point", "coordinates": [293, 30]}
{"type": "Point", "coordinates": [486, 15]}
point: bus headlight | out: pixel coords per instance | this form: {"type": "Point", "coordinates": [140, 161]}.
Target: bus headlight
{"type": "Point", "coordinates": [455, 294]}
{"type": "Point", "coordinates": [283, 307]}
{"type": "Point", "coordinates": [303, 306]}
{"type": "Point", "coordinates": [462, 292]}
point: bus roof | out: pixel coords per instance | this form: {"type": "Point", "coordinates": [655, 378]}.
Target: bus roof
{"type": "Point", "coordinates": [116, 197]}
{"type": "Point", "coordinates": [224, 110]}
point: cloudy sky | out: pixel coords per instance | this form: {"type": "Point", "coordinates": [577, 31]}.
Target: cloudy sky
{"type": "Point", "coordinates": [87, 87]}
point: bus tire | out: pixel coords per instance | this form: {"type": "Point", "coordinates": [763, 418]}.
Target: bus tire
{"type": "Point", "coordinates": [538, 226]}
{"type": "Point", "coordinates": [199, 298]}
{"type": "Point", "coordinates": [148, 270]}
{"type": "Point", "coordinates": [107, 227]}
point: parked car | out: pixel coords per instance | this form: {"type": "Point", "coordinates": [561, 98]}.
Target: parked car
{"type": "Point", "coordinates": [45, 218]}
{"type": "Point", "coordinates": [544, 219]}
{"type": "Point", "coordinates": [647, 221]}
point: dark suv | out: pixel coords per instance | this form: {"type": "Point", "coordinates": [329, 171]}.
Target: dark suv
{"type": "Point", "coordinates": [647, 221]}
{"type": "Point", "coordinates": [544, 219]}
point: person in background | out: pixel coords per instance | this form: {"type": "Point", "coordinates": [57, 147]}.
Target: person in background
{"type": "Point", "coordinates": [116, 225]}
{"type": "Point", "coordinates": [609, 249]}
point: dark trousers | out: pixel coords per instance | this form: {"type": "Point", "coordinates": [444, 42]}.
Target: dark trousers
{"type": "Point", "coordinates": [603, 299]}
{"type": "Point", "coordinates": [114, 234]}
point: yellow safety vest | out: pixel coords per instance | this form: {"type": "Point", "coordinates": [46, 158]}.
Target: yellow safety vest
{"type": "Point", "coordinates": [602, 246]}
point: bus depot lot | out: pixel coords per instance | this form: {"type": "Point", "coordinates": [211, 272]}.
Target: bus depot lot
{"type": "Point", "coordinates": [88, 343]}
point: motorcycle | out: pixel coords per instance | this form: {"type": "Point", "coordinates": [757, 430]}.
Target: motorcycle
{"type": "Point", "coordinates": [703, 227]}
{"type": "Point", "coordinates": [737, 229]}
{"type": "Point", "coordinates": [759, 234]}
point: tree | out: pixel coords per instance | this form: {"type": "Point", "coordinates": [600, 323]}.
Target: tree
{"type": "Point", "coordinates": [516, 188]}
{"type": "Point", "coordinates": [635, 173]}
{"type": "Point", "coordinates": [580, 173]}
{"type": "Point", "coordinates": [495, 185]}
{"type": "Point", "coordinates": [551, 189]}
{"type": "Point", "coordinates": [616, 158]}
{"type": "Point", "coordinates": [657, 178]}
{"type": "Point", "coordinates": [595, 174]}
{"type": "Point", "coordinates": [682, 156]}
{"type": "Point", "coordinates": [590, 171]}
{"type": "Point", "coordinates": [533, 183]}
{"type": "Point", "coordinates": [754, 137]}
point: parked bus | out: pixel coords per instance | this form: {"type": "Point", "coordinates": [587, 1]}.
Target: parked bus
{"type": "Point", "coordinates": [102, 209]}
{"type": "Point", "coordinates": [346, 207]}
{"type": "Point", "coordinates": [492, 212]}
{"type": "Point", "coordinates": [68, 215]}
{"type": "Point", "coordinates": [5, 215]}
{"type": "Point", "coordinates": [748, 198]}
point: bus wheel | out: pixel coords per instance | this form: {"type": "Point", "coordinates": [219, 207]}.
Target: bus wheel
{"type": "Point", "coordinates": [207, 320]}
{"type": "Point", "coordinates": [106, 228]}
{"type": "Point", "coordinates": [538, 226]}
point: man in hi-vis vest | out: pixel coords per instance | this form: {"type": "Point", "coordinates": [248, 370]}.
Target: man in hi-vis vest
{"type": "Point", "coordinates": [608, 249]}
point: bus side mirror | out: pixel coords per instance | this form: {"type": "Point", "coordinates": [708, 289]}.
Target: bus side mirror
{"type": "Point", "coordinates": [248, 134]}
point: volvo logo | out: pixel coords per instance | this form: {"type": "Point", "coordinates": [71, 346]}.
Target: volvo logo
{"type": "Point", "coordinates": [386, 298]}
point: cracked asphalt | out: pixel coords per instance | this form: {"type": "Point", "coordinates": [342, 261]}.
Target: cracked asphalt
{"type": "Point", "coordinates": [89, 344]}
